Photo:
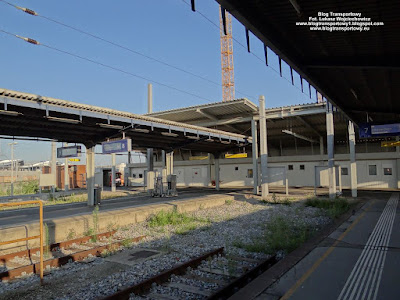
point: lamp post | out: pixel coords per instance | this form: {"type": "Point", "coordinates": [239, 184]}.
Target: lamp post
{"type": "Point", "coordinates": [12, 167]}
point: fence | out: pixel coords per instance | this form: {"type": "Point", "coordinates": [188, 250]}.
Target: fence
{"type": "Point", "coordinates": [40, 236]}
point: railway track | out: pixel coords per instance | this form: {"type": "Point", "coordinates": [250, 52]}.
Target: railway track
{"type": "Point", "coordinates": [212, 275]}
{"type": "Point", "coordinates": [25, 262]}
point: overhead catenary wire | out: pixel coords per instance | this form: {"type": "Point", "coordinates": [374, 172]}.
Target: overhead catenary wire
{"type": "Point", "coordinates": [246, 48]}
{"type": "Point", "coordinates": [32, 41]}
{"type": "Point", "coordinates": [34, 13]}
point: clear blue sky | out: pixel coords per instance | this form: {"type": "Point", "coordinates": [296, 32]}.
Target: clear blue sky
{"type": "Point", "coordinates": [164, 29]}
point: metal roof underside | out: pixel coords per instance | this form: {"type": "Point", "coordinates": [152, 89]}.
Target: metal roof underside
{"type": "Point", "coordinates": [335, 63]}
{"type": "Point", "coordinates": [29, 115]}
{"type": "Point", "coordinates": [307, 120]}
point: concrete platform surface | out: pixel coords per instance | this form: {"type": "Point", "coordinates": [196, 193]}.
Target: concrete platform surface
{"type": "Point", "coordinates": [360, 260]}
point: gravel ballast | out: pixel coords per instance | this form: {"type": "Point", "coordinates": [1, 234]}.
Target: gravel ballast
{"type": "Point", "coordinates": [224, 226]}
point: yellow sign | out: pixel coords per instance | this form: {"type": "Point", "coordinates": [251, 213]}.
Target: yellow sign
{"type": "Point", "coordinates": [390, 144]}
{"type": "Point", "coordinates": [237, 155]}
{"type": "Point", "coordinates": [74, 159]}
{"type": "Point", "coordinates": [197, 157]}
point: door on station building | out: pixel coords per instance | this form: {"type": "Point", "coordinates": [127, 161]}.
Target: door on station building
{"type": "Point", "coordinates": [196, 176]}
{"type": "Point", "coordinates": [180, 176]}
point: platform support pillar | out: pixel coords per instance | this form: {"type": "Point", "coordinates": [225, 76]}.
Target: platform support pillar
{"type": "Point", "coordinates": [254, 146]}
{"type": "Point", "coordinates": [330, 146]}
{"type": "Point", "coordinates": [263, 150]}
{"type": "Point", "coordinates": [217, 173]}
{"type": "Point", "coordinates": [113, 175]}
{"type": "Point", "coordinates": [66, 173]}
{"type": "Point", "coordinates": [321, 146]}
{"type": "Point", "coordinates": [90, 175]}
{"type": "Point", "coordinates": [170, 162]}
{"type": "Point", "coordinates": [353, 164]}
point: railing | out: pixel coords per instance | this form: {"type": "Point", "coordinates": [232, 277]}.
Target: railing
{"type": "Point", "coordinates": [40, 236]}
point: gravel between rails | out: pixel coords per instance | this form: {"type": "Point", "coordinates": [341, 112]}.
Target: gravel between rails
{"type": "Point", "coordinates": [218, 227]}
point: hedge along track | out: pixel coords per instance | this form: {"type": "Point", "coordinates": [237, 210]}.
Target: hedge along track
{"type": "Point", "coordinates": [209, 276]}
{"type": "Point", "coordinates": [27, 261]}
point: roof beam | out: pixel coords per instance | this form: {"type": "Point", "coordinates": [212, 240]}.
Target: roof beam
{"type": "Point", "coordinates": [300, 136]}
{"type": "Point", "coordinates": [205, 114]}
{"type": "Point", "coordinates": [308, 125]}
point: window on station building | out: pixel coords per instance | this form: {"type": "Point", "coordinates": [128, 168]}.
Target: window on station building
{"type": "Point", "coordinates": [290, 167]}
{"type": "Point", "coordinates": [302, 167]}
{"type": "Point", "coordinates": [236, 168]}
{"type": "Point", "coordinates": [140, 175]}
{"type": "Point", "coordinates": [134, 175]}
{"type": "Point", "coordinates": [387, 171]}
{"type": "Point", "coordinates": [249, 173]}
{"type": "Point", "coordinates": [345, 171]}
{"type": "Point", "coordinates": [372, 170]}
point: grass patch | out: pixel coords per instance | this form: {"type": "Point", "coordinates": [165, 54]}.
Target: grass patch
{"type": "Point", "coordinates": [228, 201]}
{"type": "Point", "coordinates": [127, 243]}
{"type": "Point", "coordinates": [280, 235]}
{"type": "Point", "coordinates": [20, 188]}
{"type": "Point", "coordinates": [186, 228]}
{"type": "Point", "coordinates": [333, 208]}
{"type": "Point", "coordinates": [182, 222]}
{"type": "Point", "coordinates": [163, 218]}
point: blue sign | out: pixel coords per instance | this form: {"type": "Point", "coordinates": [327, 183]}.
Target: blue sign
{"type": "Point", "coordinates": [375, 130]}
{"type": "Point", "coordinates": [117, 146]}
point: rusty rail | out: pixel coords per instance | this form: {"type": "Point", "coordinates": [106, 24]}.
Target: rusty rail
{"type": "Point", "coordinates": [7, 257]}
{"type": "Point", "coordinates": [40, 236]}
{"type": "Point", "coordinates": [145, 286]}
{"type": "Point", "coordinates": [57, 262]}
{"type": "Point", "coordinates": [226, 291]}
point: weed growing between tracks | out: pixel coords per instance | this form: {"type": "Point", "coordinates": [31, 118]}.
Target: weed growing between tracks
{"type": "Point", "coordinates": [333, 208]}
{"type": "Point", "coordinates": [280, 235]}
{"type": "Point", "coordinates": [183, 223]}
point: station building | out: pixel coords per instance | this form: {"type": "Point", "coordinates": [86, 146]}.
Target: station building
{"type": "Point", "coordinates": [297, 149]}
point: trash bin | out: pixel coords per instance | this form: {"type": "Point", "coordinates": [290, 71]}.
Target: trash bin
{"type": "Point", "coordinates": [97, 195]}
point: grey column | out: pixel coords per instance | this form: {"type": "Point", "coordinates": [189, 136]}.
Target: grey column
{"type": "Point", "coordinates": [170, 162]}
{"type": "Point", "coordinates": [90, 175]}
{"type": "Point", "coordinates": [66, 173]}
{"type": "Point", "coordinates": [150, 159]}
{"type": "Point", "coordinates": [255, 155]}
{"type": "Point", "coordinates": [54, 164]}
{"type": "Point", "coordinates": [113, 169]}
{"type": "Point", "coordinates": [163, 159]}
{"type": "Point", "coordinates": [216, 165]}
{"type": "Point", "coordinates": [263, 150]}
{"type": "Point", "coordinates": [353, 165]}
{"type": "Point", "coordinates": [321, 145]}
{"type": "Point", "coordinates": [330, 146]}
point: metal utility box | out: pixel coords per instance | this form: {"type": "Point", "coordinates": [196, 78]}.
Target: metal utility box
{"type": "Point", "coordinates": [171, 181]}
{"type": "Point", "coordinates": [97, 195]}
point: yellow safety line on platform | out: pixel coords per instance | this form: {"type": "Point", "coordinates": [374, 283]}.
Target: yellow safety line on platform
{"type": "Point", "coordinates": [303, 278]}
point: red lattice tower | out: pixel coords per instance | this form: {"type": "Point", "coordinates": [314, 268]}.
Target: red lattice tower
{"type": "Point", "coordinates": [228, 82]}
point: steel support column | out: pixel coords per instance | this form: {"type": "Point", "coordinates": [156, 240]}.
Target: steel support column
{"type": "Point", "coordinates": [254, 146]}
{"type": "Point", "coordinates": [216, 166]}
{"type": "Point", "coordinates": [54, 165]}
{"type": "Point", "coordinates": [321, 145]}
{"type": "Point", "coordinates": [113, 175]}
{"type": "Point", "coordinates": [90, 175]}
{"type": "Point", "coordinates": [66, 173]}
{"type": "Point", "coordinates": [170, 162]}
{"type": "Point", "coordinates": [353, 165]}
{"type": "Point", "coordinates": [150, 159]}
{"type": "Point", "coordinates": [330, 146]}
{"type": "Point", "coordinates": [263, 150]}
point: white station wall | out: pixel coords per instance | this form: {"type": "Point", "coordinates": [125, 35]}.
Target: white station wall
{"type": "Point", "coordinates": [238, 172]}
